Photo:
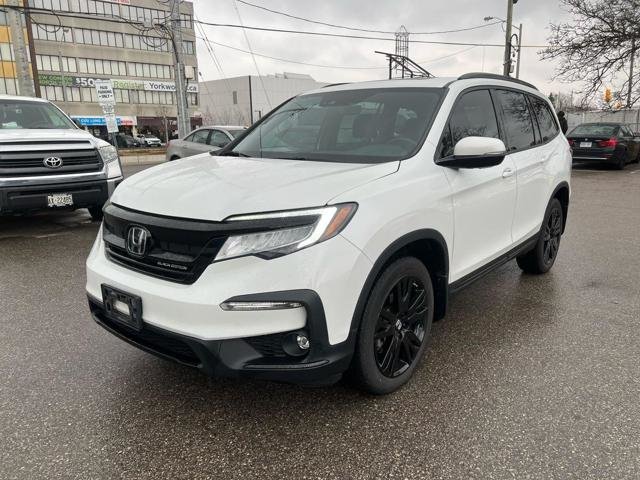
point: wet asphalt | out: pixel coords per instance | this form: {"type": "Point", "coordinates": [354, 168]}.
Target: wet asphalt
{"type": "Point", "coordinates": [528, 377]}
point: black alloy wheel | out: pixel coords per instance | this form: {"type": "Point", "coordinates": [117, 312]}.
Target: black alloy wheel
{"type": "Point", "coordinates": [394, 327]}
{"type": "Point", "coordinates": [541, 258]}
{"type": "Point", "coordinates": [551, 233]}
{"type": "Point", "coordinates": [400, 329]}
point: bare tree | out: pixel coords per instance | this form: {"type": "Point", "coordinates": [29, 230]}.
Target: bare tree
{"type": "Point", "coordinates": [597, 47]}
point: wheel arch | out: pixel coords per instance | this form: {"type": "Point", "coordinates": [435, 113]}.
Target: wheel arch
{"type": "Point", "coordinates": [430, 247]}
{"type": "Point", "coordinates": [562, 193]}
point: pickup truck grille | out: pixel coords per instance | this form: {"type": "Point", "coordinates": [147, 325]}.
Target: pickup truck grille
{"type": "Point", "coordinates": [27, 158]}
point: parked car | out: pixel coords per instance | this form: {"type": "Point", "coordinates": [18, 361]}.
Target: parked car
{"type": "Point", "coordinates": [149, 140]}
{"type": "Point", "coordinates": [201, 140]}
{"type": "Point", "coordinates": [613, 143]}
{"type": "Point", "coordinates": [47, 162]}
{"type": "Point", "coordinates": [297, 257]}
{"type": "Point", "coordinates": [127, 141]}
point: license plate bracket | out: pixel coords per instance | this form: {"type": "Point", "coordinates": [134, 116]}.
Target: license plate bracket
{"type": "Point", "coordinates": [60, 200]}
{"type": "Point", "coordinates": [122, 307]}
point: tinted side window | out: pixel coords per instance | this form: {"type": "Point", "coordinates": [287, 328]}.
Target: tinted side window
{"type": "Point", "coordinates": [472, 116]}
{"type": "Point", "coordinates": [517, 119]}
{"type": "Point", "coordinates": [546, 121]}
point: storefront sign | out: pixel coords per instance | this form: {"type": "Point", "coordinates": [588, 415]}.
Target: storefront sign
{"type": "Point", "coordinates": [168, 87]}
{"type": "Point", "coordinates": [98, 120]}
{"type": "Point", "coordinates": [148, 85]}
{"type": "Point", "coordinates": [55, 80]}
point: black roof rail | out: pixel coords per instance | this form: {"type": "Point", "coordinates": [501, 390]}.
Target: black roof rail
{"type": "Point", "coordinates": [335, 84]}
{"type": "Point", "coordinates": [494, 76]}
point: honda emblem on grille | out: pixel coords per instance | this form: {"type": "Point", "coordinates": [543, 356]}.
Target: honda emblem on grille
{"type": "Point", "coordinates": [52, 162]}
{"type": "Point", "coordinates": [138, 239]}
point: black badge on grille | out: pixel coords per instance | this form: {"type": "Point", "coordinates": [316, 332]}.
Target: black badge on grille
{"type": "Point", "coordinates": [138, 240]}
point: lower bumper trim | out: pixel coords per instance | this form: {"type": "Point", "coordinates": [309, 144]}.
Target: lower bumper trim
{"type": "Point", "coordinates": [243, 357]}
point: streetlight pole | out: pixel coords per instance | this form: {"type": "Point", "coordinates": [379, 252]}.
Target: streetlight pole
{"type": "Point", "coordinates": [506, 71]}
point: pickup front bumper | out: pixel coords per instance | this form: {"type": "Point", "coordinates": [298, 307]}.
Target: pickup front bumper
{"type": "Point", "coordinates": [22, 198]}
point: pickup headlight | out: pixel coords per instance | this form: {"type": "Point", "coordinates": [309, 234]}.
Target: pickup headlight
{"type": "Point", "coordinates": [111, 160]}
{"type": "Point", "coordinates": [319, 224]}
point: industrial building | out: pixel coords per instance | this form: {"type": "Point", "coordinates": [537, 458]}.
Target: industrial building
{"type": "Point", "coordinates": [243, 100]}
{"type": "Point", "coordinates": [76, 42]}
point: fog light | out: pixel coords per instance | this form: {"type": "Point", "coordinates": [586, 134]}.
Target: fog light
{"type": "Point", "coordinates": [249, 306]}
{"type": "Point", "coordinates": [303, 342]}
{"type": "Point", "coordinates": [296, 344]}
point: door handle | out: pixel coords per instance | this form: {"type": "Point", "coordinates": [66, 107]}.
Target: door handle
{"type": "Point", "coordinates": [508, 172]}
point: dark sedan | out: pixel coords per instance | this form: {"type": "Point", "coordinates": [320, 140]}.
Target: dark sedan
{"type": "Point", "coordinates": [613, 143]}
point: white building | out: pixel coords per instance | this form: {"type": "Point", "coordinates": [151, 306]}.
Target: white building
{"type": "Point", "coordinates": [243, 100]}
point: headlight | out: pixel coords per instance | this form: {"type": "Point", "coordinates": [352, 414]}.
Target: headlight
{"type": "Point", "coordinates": [323, 224]}
{"type": "Point", "coordinates": [110, 158]}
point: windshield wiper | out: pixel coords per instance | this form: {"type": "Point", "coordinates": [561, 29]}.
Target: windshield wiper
{"type": "Point", "coordinates": [229, 154]}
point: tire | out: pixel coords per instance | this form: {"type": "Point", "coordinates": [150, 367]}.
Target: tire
{"type": "Point", "coordinates": [96, 213]}
{"type": "Point", "coordinates": [391, 341]}
{"type": "Point", "coordinates": [541, 258]}
{"type": "Point", "coordinates": [175, 157]}
{"type": "Point", "coordinates": [621, 162]}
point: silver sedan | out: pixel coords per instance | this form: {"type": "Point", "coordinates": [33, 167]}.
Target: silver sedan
{"type": "Point", "coordinates": [201, 140]}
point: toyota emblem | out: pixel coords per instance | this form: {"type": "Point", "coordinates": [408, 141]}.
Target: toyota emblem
{"type": "Point", "coordinates": [138, 240]}
{"type": "Point", "coordinates": [52, 162]}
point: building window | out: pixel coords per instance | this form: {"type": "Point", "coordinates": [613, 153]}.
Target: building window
{"type": "Point", "coordinates": [235, 97]}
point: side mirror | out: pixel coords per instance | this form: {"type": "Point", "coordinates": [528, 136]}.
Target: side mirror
{"type": "Point", "coordinates": [475, 152]}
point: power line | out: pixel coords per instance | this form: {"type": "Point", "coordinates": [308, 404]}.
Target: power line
{"type": "Point", "coordinates": [357, 29]}
{"type": "Point", "coordinates": [253, 57]}
{"type": "Point", "coordinates": [360, 37]}
{"type": "Point", "coordinates": [344, 67]}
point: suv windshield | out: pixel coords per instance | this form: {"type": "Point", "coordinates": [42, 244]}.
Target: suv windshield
{"type": "Point", "coordinates": [17, 114]}
{"type": "Point", "coordinates": [360, 126]}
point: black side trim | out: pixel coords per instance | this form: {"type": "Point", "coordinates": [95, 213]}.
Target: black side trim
{"type": "Point", "coordinates": [489, 267]}
{"type": "Point", "coordinates": [441, 279]}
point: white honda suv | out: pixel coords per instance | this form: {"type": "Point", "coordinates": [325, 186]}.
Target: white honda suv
{"type": "Point", "coordinates": [329, 237]}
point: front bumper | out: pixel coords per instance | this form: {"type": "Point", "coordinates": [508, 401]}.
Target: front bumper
{"type": "Point", "coordinates": [261, 357]}
{"type": "Point", "coordinates": [26, 197]}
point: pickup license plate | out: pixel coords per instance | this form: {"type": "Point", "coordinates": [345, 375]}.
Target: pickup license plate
{"type": "Point", "coordinates": [585, 144]}
{"type": "Point", "coordinates": [122, 307]}
{"type": "Point", "coordinates": [59, 200]}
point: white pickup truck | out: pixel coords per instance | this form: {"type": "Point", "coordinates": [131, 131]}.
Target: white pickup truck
{"type": "Point", "coordinates": [47, 162]}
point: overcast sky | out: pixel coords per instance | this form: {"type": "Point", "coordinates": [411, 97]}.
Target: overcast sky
{"type": "Point", "coordinates": [416, 15]}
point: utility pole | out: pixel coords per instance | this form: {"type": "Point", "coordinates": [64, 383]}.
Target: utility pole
{"type": "Point", "coordinates": [14, 19]}
{"type": "Point", "coordinates": [507, 42]}
{"type": "Point", "coordinates": [519, 51]}
{"type": "Point", "coordinates": [633, 54]}
{"type": "Point", "coordinates": [184, 124]}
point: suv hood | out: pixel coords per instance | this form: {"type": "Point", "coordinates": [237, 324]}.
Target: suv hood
{"type": "Point", "coordinates": [43, 135]}
{"type": "Point", "coordinates": [212, 188]}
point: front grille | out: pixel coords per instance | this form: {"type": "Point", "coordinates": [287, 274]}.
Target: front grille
{"type": "Point", "coordinates": [26, 159]}
{"type": "Point", "coordinates": [179, 251]}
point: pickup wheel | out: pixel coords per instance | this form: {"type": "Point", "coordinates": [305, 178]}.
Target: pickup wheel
{"type": "Point", "coordinates": [96, 213]}
{"type": "Point", "coordinates": [395, 327]}
{"type": "Point", "coordinates": [542, 257]}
